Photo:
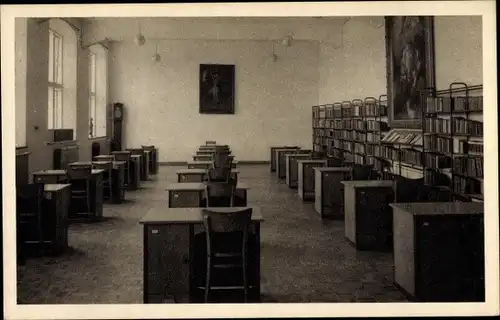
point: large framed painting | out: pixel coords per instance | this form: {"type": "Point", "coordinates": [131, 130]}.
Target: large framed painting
{"type": "Point", "coordinates": [216, 89]}
{"type": "Point", "coordinates": [410, 67]}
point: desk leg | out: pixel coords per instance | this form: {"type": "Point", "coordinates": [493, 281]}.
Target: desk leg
{"type": "Point", "coordinates": [257, 259]}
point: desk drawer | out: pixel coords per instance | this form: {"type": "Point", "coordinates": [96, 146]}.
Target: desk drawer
{"type": "Point", "coordinates": [47, 179]}
{"type": "Point", "coordinates": [185, 199]}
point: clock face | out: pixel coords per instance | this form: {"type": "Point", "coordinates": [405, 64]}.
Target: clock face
{"type": "Point", "coordinates": [118, 113]}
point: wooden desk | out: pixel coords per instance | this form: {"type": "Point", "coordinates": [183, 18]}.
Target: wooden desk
{"type": "Point", "coordinates": [291, 167]}
{"type": "Point", "coordinates": [145, 165]}
{"type": "Point", "coordinates": [306, 179]}
{"type": "Point", "coordinates": [153, 161]}
{"type": "Point", "coordinates": [199, 175]}
{"type": "Point", "coordinates": [368, 216]}
{"type": "Point", "coordinates": [135, 172]}
{"type": "Point", "coordinates": [205, 152]}
{"type": "Point", "coordinates": [202, 158]}
{"type": "Point", "coordinates": [273, 155]}
{"type": "Point", "coordinates": [280, 163]}
{"type": "Point", "coordinates": [117, 177]}
{"type": "Point", "coordinates": [329, 191]}
{"type": "Point", "coordinates": [439, 251]}
{"type": "Point", "coordinates": [193, 195]}
{"type": "Point", "coordinates": [96, 194]}
{"type": "Point", "coordinates": [169, 253]}
{"type": "Point", "coordinates": [55, 208]}
{"type": "Point", "coordinates": [200, 164]}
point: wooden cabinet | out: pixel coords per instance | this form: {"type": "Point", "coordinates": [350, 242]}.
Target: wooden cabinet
{"type": "Point", "coordinates": [329, 191]}
{"type": "Point", "coordinates": [186, 195]}
{"type": "Point", "coordinates": [306, 177]}
{"type": "Point", "coordinates": [368, 215]}
{"type": "Point", "coordinates": [439, 251]}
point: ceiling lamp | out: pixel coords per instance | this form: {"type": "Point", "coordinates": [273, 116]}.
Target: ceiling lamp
{"type": "Point", "coordinates": [156, 57]}
{"type": "Point", "coordinates": [139, 38]}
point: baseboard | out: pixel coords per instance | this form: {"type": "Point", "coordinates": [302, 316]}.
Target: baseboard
{"type": "Point", "coordinates": [184, 163]}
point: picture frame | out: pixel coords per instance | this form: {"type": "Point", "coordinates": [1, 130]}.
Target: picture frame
{"type": "Point", "coordinates": [410, 68]}
{"type": "Point", "coordinates": [217, 86]}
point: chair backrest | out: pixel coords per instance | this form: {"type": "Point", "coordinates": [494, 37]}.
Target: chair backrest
{"type": "Point", "coordinates": [222, 159]}
{"type": "Point", "coordinates": [105, 165]}
{"type": "Point", "coordinates": [105, 158]}
{"type": "Point", "coordinates": [29, 198]}
{"type": "Point", "coordinates": [227, 220]}
{"type": "Point", "coordinates": [122, 155]}
{"type": "Point", "coordinates": [79, 172]}
{"type": "Point", "coordinates": [96, 149]}
{"type": "Point", "coordinates": [221, 190]}
{"type": "Point", "coordinates": [219, 174]}
{"type": "Point", "coordinates": [409, 190]}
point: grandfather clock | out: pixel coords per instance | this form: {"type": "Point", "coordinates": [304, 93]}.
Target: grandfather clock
{"type": "Point", "coordinates": [116, 143]}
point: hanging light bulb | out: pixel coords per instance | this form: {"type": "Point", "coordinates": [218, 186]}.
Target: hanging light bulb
{"type": "Point", "coordinates": [156, 57]}
{"type": "Point", "coordinates": [139, 38]}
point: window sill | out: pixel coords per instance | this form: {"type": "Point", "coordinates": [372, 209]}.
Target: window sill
{"type": "Point", "coordinates": [62, 143]}
{"type": "Point", "coordinates": [98, 138]}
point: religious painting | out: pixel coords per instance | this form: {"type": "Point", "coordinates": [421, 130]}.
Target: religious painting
{"type": "Point", "coordinates": [410, 68]}
{"type": "Point", "coordinates": [216, 89]}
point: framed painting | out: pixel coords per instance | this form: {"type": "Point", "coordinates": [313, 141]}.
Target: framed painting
{"type": "Point", "coordinates": [216, 89]}
{"type": "Point", "coordinates": [410, 68]}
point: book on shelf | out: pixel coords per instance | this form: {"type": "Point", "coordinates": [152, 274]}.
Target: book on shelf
{"type": "Point", "coordinates": [469, 166]}
{"type": "Point", "coordinates": [470, 147]}
{"type": "Point", "coordinates": [438, 144]}
{"type": "Point", "coordinates": [453, 104]}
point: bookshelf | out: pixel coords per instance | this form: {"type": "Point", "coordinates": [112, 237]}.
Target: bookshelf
{"type": "Point", "coordinates": [452, 127]}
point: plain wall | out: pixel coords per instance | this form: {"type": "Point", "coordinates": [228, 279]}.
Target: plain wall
{"type": "Point", "coordinates": [272, 99]}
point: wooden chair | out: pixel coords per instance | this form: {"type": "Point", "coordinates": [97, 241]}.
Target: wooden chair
{"type": "Point", "coordinates": [226, 234]}
{"type": "Point", "coordinates": [29, 219]}
{"type": "Point", "coordinates": [107, 180]}
{"type": "Point", "coordinates": [142, 165]}
{"type": "Point", "coordinates": [219, 174]}
{"type": "Point", "coordinates": [124, 156]}
{"type": "Point", "coordinates": [80, 178]}
{"type": "Point", "coordinates": [220, 194]}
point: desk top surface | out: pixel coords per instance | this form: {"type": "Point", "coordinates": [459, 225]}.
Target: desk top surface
{"type": "Point", "coordinates": [440, 208]}
{"type": "Point", "coordinates": [283, 149]}
{"type": "Point", "coordinates": [54, 187]}
{"type": "Point", "coordinates": [333, 169]}
{"type": "Point", "coordinates": [198, 186]}
{"type": "Point", "coordinates": [368, 183]}
{"type": "Point", "coordinates": [61, 172]}
{"type": "Point", "coordinates": [200, 171]}
{"type": "Point", "coordinates": [311, 161]}
{"type": "Point", "coordinates": [300, 154]}
{"type": "Point", "coordinates": [104, 156]}
{"type": "Point", "coordinates": [135, 156]}
{"type": "Point", "coordinates": [165, 215]}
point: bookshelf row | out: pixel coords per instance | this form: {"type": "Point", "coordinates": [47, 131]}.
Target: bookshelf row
{"type": "Point", "coordinates": [447, 150]}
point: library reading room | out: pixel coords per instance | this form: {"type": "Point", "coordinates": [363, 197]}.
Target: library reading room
{"type": "Point", "coordinates": [261, 160]}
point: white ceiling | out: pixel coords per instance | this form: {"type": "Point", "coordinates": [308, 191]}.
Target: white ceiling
{"type": "Point", "coordinates": [214, 28]}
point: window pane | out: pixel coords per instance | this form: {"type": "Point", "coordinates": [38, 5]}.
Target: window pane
{"type": "Point", "coordinates": [51, 56]}
{"type": "Point", "coordinates": [59, 78]}
{"type": "Point", "coordinates": [92, 73]}
{"type": "Point", "coordinates": [58, 109]}
{"type": "Point", "coordinates": [51, 109]}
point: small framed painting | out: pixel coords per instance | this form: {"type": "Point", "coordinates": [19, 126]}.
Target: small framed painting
{"type": "Point", "coordinates": [216, 89]}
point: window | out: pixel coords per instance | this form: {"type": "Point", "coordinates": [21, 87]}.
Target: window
{"type": "Point", "coordinates": [97, 91]}
{"type": "Point", "coordinates": [55, 92]}
{"type": "Point", "coordinates": [92, 96]}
